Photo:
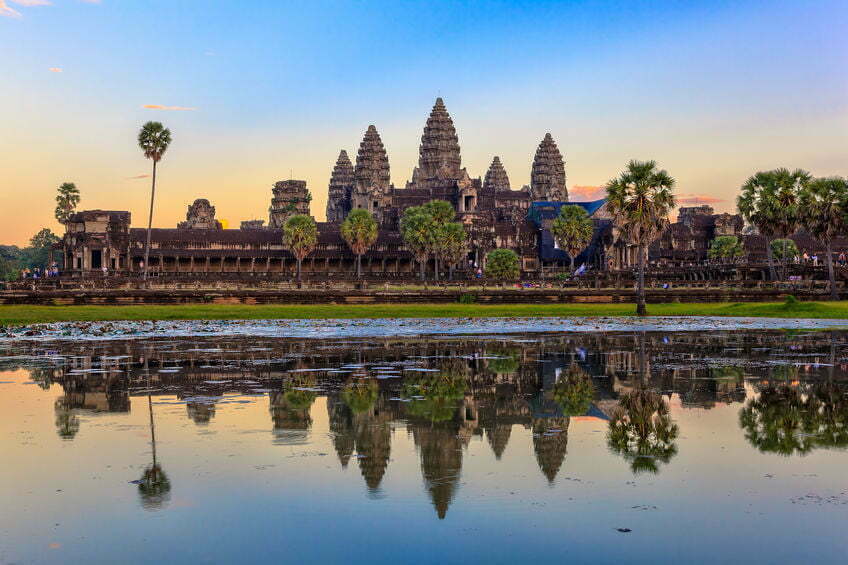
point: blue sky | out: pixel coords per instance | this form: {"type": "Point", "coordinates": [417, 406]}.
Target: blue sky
{"type": "Point", "coordinates": [712, 90]}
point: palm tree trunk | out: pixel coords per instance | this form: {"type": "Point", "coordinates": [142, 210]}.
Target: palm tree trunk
{"type": "Point", "coordinates": [570, 262]}
{"type": "Point", "coordinates": [359, 266]}
{"type": "Point", "coordinates": [422, 264]}
{"type": "Point", "coordinates": [299, 260]}
{"type": "Point", "coordinates": [152, 428]}
{"type": "Point", "coordinates": [830, 275]}
{"type": "Point", "coordinates": [770, 258]}
{"type": "Point", "coordinates": [641, 310]}
{"type": "Point", "coordinates": [436, 265]}
{"type": "Point", "coordinates": [149, 222]}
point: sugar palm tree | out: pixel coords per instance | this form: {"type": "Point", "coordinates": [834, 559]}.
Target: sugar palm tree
{"type": "Point", "coordinates": [769, 201]}
{"type": "Point", "coordinates": [154, 139]}
{"type": "Point", "coordinates": [300, 236]}
{"type": "Point", "coordinates": [359, 230]}
{"type": "Point", "coordinates": [416, 228]}
{"type": "Point", "coordinates": [442, 213]}
{"type": "Point", "coordinates": [66, 201]}
{"type": "Point", "coordinates": [451, 245]}
{"type": "Point", "coordinates": [824, 213]}
{"type": "Point", "coordinates": [639, 201]}
{"type": "Point", "coordinates": [573, 230]}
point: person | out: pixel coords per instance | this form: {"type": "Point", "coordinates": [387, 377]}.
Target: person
{"type": "Point", "coordinates": [479, 273]}
{"type": "Point", "coordinates": [841, 258]}
{"type": "Point", "coordinates": [815, 260]}
{"type": "Point", "coordinates": [105, 270]}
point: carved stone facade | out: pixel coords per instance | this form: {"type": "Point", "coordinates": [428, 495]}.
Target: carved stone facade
{"type": "Point", "coordinates": [290, 198]}
{"type": "Point", "coordinates": [341, 189]}
{"type": "Point", "coordinates": [200, 216]}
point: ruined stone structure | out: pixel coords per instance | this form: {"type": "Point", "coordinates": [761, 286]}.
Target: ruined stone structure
{"type": "Point", "coordinates": [495, 215]}
{"type": "Point", "coordinates": [290, 198]}
{"type": "Point", "coordinates": [200, 216]}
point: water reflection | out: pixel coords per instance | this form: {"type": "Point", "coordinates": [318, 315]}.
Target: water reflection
{"type": "Point", "coordinates": [445, 392]}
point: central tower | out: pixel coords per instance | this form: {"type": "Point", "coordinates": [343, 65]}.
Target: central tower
{"type": "Point", "coordinates": [438, 155]}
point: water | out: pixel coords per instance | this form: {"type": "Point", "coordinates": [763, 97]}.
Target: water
{"type": "Point", "coordinates": [723, 446]}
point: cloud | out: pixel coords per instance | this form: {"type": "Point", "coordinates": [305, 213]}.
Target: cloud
{"type": "Point", "coordinates": [5, 10]}
{"type": "Point", "coordinates": [55, 69]}
{"type": "Point", "coordinates": [174, 108]}
{"type": "Point", "coordinates": [33, 2]}
{"type": "Point", "coordinates": [137, 177]}
{"type": "Point", "coordinates": [697, 199]}
{"type": "Point", "coordinates": [586, 192]}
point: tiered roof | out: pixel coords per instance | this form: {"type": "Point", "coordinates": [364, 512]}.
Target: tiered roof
{"type": "Point", "coordinates": [439, 144]}
{"type": "Point", "coordinates": [496, 177]}
{"type": "Point", "coordinates": [372, 163]}
{"type": "Point", "coordinates": [341, 185]}
{"type": "Point", "coordinates": [547, 177]}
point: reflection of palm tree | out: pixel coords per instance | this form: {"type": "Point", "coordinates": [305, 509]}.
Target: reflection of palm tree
{"type": "Point", "coordinates": [574, 391]}
{"type": "Point", "coordinates": [290, 412]}
{"type": "Point", "coordinates": [787, 421]}
{"type": "Point", "coordinates": [67, 422]}
{"type": "Point", "coordinates": [435, 396]}
{"type": "Point", "coordinates": [641, 431]}
{"type": "Point", "coordinates": [154, 488]}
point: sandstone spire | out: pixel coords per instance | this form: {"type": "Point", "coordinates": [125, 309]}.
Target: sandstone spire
{"type": "Point", "coordinates": [372, 163]}
{"type": "Point", "coordinates": [439, 144]}
{"type": "Point", "coordinates": [496, 177]}
{"type": "Point", "coordinates": [341, 186]}
{"type": "Point", "coordinates": [547, 177]}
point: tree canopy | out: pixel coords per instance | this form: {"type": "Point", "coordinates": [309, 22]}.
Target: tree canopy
{"type": "Point", "coordinates": [67, 198]}
{"type": "Point", "coordinates": [502, 264]}
{"type": "Point", "coordinates": [573, 230]}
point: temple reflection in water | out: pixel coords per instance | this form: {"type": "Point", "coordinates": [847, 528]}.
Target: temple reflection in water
{"type": "Point", "coordinates": [445, 392]}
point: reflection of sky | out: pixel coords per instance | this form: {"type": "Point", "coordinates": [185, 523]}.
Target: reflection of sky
{"type": "Point", "coordinates": [237, 496]}
{"type": "Point", "coordinates": [712, 90]}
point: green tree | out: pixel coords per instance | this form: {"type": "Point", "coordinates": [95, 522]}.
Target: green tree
{"type": "Point", "coordinates": [783, 249]}
{"type": "Point", "coordinates": [416, 228]}
{"type": "Point", "coordinates": [451, 245]}
{"type": "Point", "coordinates": [442, 213]}
{"type": "Point", "coordinates": [502, 264]}
{"type": "Point", "coordinates": [769, 201]}
{"type": "Point", "coordinates": [154, 139]}
{"type": "Point", "coordinates": [361, 396]}
{"type": "Point", "coordinates": [824, 213]}
{"type": "Point", "coordinates": [359, 230]}
{"type": "Point", "coordinates": [300, 236]}
{"type": "Point", "coordinates": [66, 201]}
{"type": "Point", "coordinates": [574, 391]}
{"type": "Point", "coordinates": [573, 230]}
{"type": "Point", "coordinates": [40, 251]}
{"type": "Point", "coordinates": [639, 201]}
{"type": "Point", "coordinates": [725, 247]}
{"type": "Point", "coordinates": [434, 396]}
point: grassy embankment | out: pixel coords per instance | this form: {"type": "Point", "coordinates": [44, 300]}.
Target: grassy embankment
{"type": "Point", "coordinates": [17, 315]}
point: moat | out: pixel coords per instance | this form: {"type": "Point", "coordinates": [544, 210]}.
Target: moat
{"type": "Point", "coordinates": [714, 445]}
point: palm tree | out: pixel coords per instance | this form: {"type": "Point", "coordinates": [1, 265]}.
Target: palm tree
{"type": "Point", "coordinates": [451, 245]}
{"type": "Point", "coordinates": [66, 201]}
{"type": "Point", "coordinates": [359, 230]}
{"type": "Point", "coordinates": [300, 235]}
{"type": "Point", "coordinates": [416, 228]}
{"type": "Point", "coordinates": [442, 213]}
{"type": "Point", "coordinates": [639, 201]}
{"type": "Point", "coordinates": [573, 230]}
{"type": "Point", "coordinates": [823, 206]}
{"type": "Point", "coordinates": [769, 201]}
{"type": "Point", "coordinates": [154, 140]}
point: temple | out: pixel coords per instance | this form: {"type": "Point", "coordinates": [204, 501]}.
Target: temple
{"type": "Point", "coordinates": [495, 215]}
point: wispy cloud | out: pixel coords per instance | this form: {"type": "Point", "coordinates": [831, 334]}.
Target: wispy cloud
{"type": "Point", "coordinates": [174, 108]}
{"type": "Point", "coordinates": [33, 2]}
{"type": "Point", "coordinates": [586, 192]}
{"type": "Point", "coordinates": [55, 69]}
{"type": "Point", "coordinates": [697, 199]}
{"type": "Point", "coordinates": [137, 177]}
{"type": "Point", "coordinates": [8, 12]}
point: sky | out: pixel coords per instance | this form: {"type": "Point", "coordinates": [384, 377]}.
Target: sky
{"type": "Point", "coordinates": [259, 91]}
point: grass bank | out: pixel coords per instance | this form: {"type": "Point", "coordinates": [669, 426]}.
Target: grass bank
{"type": "Point", "coordinates": [17, 315]}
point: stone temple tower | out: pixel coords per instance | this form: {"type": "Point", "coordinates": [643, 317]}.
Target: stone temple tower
{"type": "Point", "coordinates": [290, 198]}
{"type": "Point", "coordinates": [438, 155]}
{"type": "Point", "coordinates": [371, 174]}
{"type": "Point", "coordinates": [496, 178]}
{"type": "Point", "coordinates": [547, 177]}
{"type": "Point", "coordinates": [341, 189]}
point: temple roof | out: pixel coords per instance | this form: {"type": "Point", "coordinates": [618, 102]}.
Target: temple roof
{"type": "Point", "coordinates": [372, 162]}
{"type": "Point", "coordinates": [496, 177]}
{"type": "Point", "coordinates": [547, 176]}
{"type": "Point", "coordinates": [439, 149]}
